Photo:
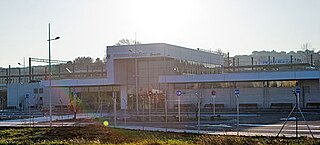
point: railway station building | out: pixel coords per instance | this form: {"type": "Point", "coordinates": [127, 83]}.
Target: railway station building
{"type": "Point", "coordinates": [142, 76]}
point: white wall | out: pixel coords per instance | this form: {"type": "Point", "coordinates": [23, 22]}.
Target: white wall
{"type": "Point", "coordinates": [17, 94]}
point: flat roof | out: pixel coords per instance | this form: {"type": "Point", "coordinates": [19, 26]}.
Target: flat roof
{"type": "Point", "coordinates": [242, 77]}
{"type": "Point", "coordinates": [78, 82]}
{"type": "Point", "coordinates": [163, 50]}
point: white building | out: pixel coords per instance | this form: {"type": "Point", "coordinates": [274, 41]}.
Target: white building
{"type": "Point", "coordinates": [136, 73]}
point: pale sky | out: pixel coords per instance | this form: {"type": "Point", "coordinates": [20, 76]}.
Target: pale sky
{"type": "Point", "coordinates": [86, 27]}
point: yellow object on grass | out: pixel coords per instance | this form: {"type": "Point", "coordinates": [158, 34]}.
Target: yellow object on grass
{"type": "Point", "coordinates": [105, 123]}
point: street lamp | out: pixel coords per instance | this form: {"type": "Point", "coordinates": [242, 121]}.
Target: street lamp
{"type": "Point", "coordinates": [24, 85]}
{"type": "Point", "coordinates": [50, 99]}
{"type": "Point", "coordinates": [24, 68]}
{"type": "Point", "coordinates": [136, 80]}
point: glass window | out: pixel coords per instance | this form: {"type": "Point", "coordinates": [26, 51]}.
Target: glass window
{"type": "Point", "coordinates": [35, 91]}
{"type": "Point", "coordinates": [40, 90]}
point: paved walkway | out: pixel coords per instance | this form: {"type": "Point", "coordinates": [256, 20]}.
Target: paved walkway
{"type": "Point", "coordinates": [34, 121]}
{"type": "Point", "coordinates": [241, 133]}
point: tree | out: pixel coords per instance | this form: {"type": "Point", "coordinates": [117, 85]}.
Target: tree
{"type": "Point", "coordinates": [221, 52]}
{"type": "Point", "coordinates": [98, 60]}
{"type": "Point", "coordinates": [307, 51]}
{"type": "Point", "coordinates": [126, 42]}
{"type": "Point", "coordinates": [83, 60]}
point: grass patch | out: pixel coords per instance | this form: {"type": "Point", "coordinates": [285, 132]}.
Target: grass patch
{"type": "Point", "coordinates": [98, 134]}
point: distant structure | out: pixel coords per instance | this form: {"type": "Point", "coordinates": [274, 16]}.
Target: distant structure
{"type": "Point", "coordinates": [274, 57]}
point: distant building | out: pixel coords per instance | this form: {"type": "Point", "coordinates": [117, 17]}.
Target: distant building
{"type": "Point", "coordinates": [273, 57]}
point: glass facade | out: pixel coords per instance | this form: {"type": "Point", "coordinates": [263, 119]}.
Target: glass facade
{"type": "Point", "coordinates": [95, 99]}
{"type": "Point", "coordinates": [149, 70]}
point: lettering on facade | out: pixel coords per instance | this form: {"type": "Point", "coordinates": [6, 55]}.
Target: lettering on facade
{"type": "Point", "coordinates": [154, 54]}
{"type": "Point", "coordinates": [130, 55]}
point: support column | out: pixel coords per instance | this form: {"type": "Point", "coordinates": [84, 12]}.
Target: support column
{"type": "Point", "coordinates": [124, 97]}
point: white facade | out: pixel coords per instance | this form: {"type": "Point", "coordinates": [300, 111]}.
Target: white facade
{"type": "Point", "coordinates": [36, 96]}
{"type": "Point", "coordinates": [152, 51]}
{"type": "Point", "coordinates": [122, 62]}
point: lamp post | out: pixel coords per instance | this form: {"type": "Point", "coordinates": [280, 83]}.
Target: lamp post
{"type": "Point", "coordinates": [24, 69]}
{"type": "Point", "coordinates": [136, 80]}
{"type": "Point", "coordinates": [50, 99]}
{"type": "Point", "coordinates": [24, 85]}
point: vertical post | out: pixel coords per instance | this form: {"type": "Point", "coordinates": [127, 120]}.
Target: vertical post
{"type": "Point", "coordinates": [228, 59]}
{"type": "Point", "coordinates": [132, 103]}
{"type": "Point", "coordinates": [30, 74]}
{"type": "Point", "coordinates": [198, 112]}
{"type": "Point", "coordinates": [114, 108]}
{"type": "Point", "coordinates": [237, 98]}
{"type": "Point", "coordinates": [100, 101]}
{"type": "Point", "coordinates": [156, 101]}
{"type": "Point", "coordinates": [75, 104]}
{"type": "Point", "coordinates": [273, 60]}
{"type": "Point", "coordinates": [24, 70]}
{"type": "Point", "coordinates": [251, 63]}
{"type": "Point", "coordinates": [179, 104]}
{"type": "Point", "coordinates": [9, 75]}
{"type": "Point", "coordinates": [149, 99]}
{"type": "Point", "coordinates": [19, 75]}
{"type": "Point", "coordinates": [125, 114]}
{"type": "Point", "coordinates": [214, 105]}
{"type": "Point", "coordinates": [143, 107]}
{"type": "Point", "coordinates": [50, 99]}
{"type": "Point", "coordinates": [166, 110]}
{"type": "Point", "coordinates": [179, 108]}
{"type": "Point", "coordinates": [233, 63]}
{"type": "Point", "coordinates": [125, 110]}
{"type": "Point", "coordinates": [137, 94]}
{"type": "Point", "coordinates": [297, 104]}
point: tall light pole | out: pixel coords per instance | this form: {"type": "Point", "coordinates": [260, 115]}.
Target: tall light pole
{"type": "Point", "coordinates": [50, 99]}
{"type": "Point", "coordinates": [24, 68]}
{"type": "Point", "coordinates": [136, 79]}
{"type": "Point", "coordinates": [24, 85]}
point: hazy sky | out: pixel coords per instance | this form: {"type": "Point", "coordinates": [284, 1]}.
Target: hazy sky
{"type": "Point", "coordinates": [86, 27]}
